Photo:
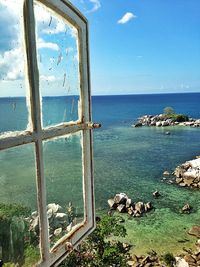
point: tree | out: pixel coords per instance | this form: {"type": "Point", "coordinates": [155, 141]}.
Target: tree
{"type": "Point", "coordinates": [168, 111]}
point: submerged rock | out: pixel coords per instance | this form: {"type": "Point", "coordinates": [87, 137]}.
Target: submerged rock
{"type": "Point", "coordinates": [156, 194]}
{"type": "Point", "coordinates": [186, 208]}
{"type": "Point", "coordinates": [195, 230]}
{"type": "Point", "coordinates": [166, 173]}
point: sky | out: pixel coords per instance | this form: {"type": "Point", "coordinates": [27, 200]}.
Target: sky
{"type": "Point", "coordinates": [136, 47]}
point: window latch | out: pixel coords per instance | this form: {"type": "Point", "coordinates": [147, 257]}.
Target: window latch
{"type": "Point", "coordinates": [93, 125]}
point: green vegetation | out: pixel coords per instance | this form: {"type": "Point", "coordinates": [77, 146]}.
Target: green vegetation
{"type": "Point", "coordinates": [169, 259]}
{"type": "Point", "coordinates": [16, 237]}
{"type": "Point", "coordinates": [169, 113]}
{"type": "Point", "coordinates": [99, 249]}
{"type": "Point", "coordinates": [13, 229]}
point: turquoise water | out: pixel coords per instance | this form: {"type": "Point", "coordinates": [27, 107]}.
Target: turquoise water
{"type": "Point", "coordinates": [126, 159]}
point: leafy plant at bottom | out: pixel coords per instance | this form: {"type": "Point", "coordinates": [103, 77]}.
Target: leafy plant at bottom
{"type": "Point", "coordinates": [99, 250]}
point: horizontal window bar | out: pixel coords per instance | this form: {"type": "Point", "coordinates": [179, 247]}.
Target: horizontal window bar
{"type": "Point", "coordinates": [13, 139]}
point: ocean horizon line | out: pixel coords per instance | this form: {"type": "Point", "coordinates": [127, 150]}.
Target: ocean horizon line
{"type": "Point", "coordinates": [110, 95]}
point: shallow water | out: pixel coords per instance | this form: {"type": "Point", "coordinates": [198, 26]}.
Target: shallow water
{"type": "Point", "coordinates": [132, 160]}
{"type": "Point", "coordinates": [126, 159]}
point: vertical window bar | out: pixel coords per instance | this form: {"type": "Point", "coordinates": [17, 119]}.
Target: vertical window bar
{"type": "Point", "coordinates": [33, 78]}
{"type": "Point", "coordinates": [88, 183]}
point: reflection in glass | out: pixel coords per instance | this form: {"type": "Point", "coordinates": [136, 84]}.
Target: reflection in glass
{"type": "Point", "coordinates": [13, 110]}
{"type": "Point", "coordinates": [63, 173]}
{"type": "Point", "coordinates": [19, 224]}
{"type": "Point", "coordinates": [58, 67]}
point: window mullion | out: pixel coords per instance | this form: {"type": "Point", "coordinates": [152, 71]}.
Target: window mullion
{"type": "Point", "coordinates": [88, 183]}
{"type": "Point", "coordinates": [35, 110]}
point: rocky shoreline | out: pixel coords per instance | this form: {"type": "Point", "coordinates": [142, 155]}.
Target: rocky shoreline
{"type": "Point", "coordinates": [162, 120]}
{"type": "Point", "coordinates": [188, 174]}
{"type": "Point", "coordinates": [123, 204]}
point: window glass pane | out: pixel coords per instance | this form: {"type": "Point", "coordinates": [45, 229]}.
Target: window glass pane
{"type": "Point", "coordinates": [63, 173]}
{"type": "Point", "coordinates": [13, 109]}
{"type": "Point", "coordinates": [58, 67]}
{"type": "Point", "coordinates": [19, 229]}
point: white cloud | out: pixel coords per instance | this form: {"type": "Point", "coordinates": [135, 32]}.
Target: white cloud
{"type": "Point", "coordinates": [127, 17]}
{"type": "Point", "coordinates": [96, 5]}
{"type": "Point", "coordinates": [57, 27]}
{"type": "Point", "coordinates": [50, 78]}
{"type": "Point", "coordinates": [12, 6]}
{"type": "Point", "coordinates": [47, 22]}
{"type": "Point", "coordinates": [12, 64]}
{"type": "Point", "coordinates": [42, 44]}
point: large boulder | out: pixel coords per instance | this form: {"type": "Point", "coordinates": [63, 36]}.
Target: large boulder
{"type": "Point", "coordinates": [165, 123]}
{"type": "Point", "coordinates": [54, 207]}
{"type": "Point", "coordinates": [158, 123]}
{"type": "Point", "coordinates": [139, 207]}
{"type": "Point", "coordinates": [120, 198]}
{"type": "Point", "coordinates": [112, 203]}
{"type": "Point", "coordinates": [181, 262]}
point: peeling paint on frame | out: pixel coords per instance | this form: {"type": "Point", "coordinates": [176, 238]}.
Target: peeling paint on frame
{"type": "Point", "coordinates": [38, 135]}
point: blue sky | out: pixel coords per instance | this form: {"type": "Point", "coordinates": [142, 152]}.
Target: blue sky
{"type": "Point", "coordinates": [136, 46]}
{"type": "Point", "coordinates": [157, 51]}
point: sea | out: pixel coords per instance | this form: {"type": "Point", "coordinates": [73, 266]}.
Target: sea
{"type": "Point", "coordinates": [126, 159]}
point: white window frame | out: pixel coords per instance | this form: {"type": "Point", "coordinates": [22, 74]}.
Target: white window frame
{"type": "Point", "coordinates": [37, 135]}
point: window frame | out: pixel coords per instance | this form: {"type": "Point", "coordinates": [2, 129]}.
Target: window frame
{"type": "Point", "coordinates": [38, 134]}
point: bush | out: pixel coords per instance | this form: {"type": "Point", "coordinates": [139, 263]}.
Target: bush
{"type": "Point", "coordinates": [181, 118]}
{"type": "Point", "coordinates": [98, 249]}
{"type": "Point", "coordinates": [169, 259]}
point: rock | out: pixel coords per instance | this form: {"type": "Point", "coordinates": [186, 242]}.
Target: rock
{"type": "Point", "coordinates": [195, 230]}
{"type": "Point", "coordinates": [128, 203]}
{"type": "Point", "coordinates": [120, 198]}
{"type": "Point", "coordinates": [179, 180]}
{"type": "Point", "coordinates": [54, 207]}
{"type": "Point", "coordinates": [187, 208]}
{"type": "Point", "coordinates": [181, 262]}
{"type": "Point", "coordinates": [158, 123]}
{"type": "Point", "coordinates": [189, 259]}
{"type": "Point", "coordinates": [58, 231]}
{"type": "Point", "coordinates": [35, 225]}
{"type": "Point", "coordinates": [112, 203]}
{"type": "Point", "coordinates": [61, 216]}
{"type": "Point", "coordinates": [131, 263]}
{"type": "Point", "coordinates": [121, 208]}
{"type": "Point", "coordinates": [49, 213]}
{"type": "Point", "coordinates": [139, 124]}
{"type": "Point", "coordinates": [156, 194]}
{"type": "Point", "coordinates": [166, 173]}
{"type": "Point", "coordinates": [165, 123]}
{"type": "Point", "coordinates": [148, 205]}
{"type": "Point", "coordinates": [182, 184]}
{"type": "Point", "coordinates": [34, 214]}
{"type": "Point", "coordinates": [130, 211]}
{"type": "Point", "coordinates": [139, 208]}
